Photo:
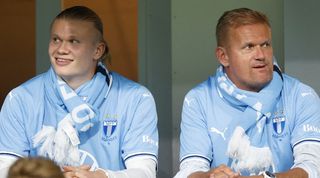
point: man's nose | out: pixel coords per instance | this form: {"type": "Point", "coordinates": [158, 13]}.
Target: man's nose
{"type": "Point", "coordinates": [259, 52]}
{"type": "Point", "coordinates": [63, 48]}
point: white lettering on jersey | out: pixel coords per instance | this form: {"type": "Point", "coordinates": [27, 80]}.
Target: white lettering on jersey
{"type": "Point", "coordinates": [147, 139]}
{"type": "Point", "coordinates": [310, 128]}
{"type": "Point", "coordinates": [215, 130]}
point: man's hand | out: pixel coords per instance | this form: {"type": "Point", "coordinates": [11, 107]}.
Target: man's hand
{"type": "Point", "coordinates": [82, 172]}
{"type": "Point", "coordinates": [221, 171]}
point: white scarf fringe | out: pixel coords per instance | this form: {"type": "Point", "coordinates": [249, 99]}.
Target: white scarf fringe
{"type": "Point", "coordinates": [58, 145]}
{"type": "Point", "coordinates": [247, 157]}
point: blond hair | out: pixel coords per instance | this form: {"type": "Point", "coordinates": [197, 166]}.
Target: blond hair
{"type": "Point", "coordinates": [236, 18]}
{"type": "Point", "coordinates": [86, 14]}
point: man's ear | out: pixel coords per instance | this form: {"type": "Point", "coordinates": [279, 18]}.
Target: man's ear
{"type": "Point", "coordinates": [222, 56]}
{"type": "Point", "coordinates": [99, 51]}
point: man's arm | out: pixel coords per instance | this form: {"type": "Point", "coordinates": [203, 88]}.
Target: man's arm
{"type": "Point", "coordinates": [220, 171]}
{"type": "Point", "coordinates": [137, 166]}
{"type": "Point", "coordinates": [192, 165]}
{"type": "Point", "coordinates": [307, 158]}
{"type": "Point", "coordinates": [292, 173]}
{"type": "Point", "coordinates": [5, 163]}
{"type": "Point", "coordinates": [306, 165]}
{"type": "Point", "coordinates": [223, 171]}
{"type": "Point", "coordinates": [197, 167]}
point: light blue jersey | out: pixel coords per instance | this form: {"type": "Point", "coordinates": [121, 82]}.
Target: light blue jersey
{"type": "Point", "coordinates": [209, 119]}
{"type": "Point", "coordinates": [126, 127]}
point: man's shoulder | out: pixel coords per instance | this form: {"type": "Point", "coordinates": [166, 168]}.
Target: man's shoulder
{"type": "Point", "coordinates": [124, 85]}
{"type": "Point", "coordinates": [26, 97]}
{"type": "Point", "coordinates": [31, 86]}
{"type": "Point", "coordinates": [290, 80]}
{"type": "Point", "coordinates": [205, 87]}
{"type": "Point", "coordinates": [294, 85]}
{"type": "Point", "coordinates": [297, 92]}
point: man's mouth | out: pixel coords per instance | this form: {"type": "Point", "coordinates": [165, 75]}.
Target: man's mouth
{"type": "Point", "coordinates": [63, 61]}
{"type": "Point", "coordinates": [259, 66]}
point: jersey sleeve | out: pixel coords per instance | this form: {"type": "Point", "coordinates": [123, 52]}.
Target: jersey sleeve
{"type": "Point", "coordinates": [142, 137]}
{"type": "Point", "coordinates": [307, 123]}
{"type": "Point", "coordinates": [194, 136]}
{"type": "Point", "coordinates": [13, 139]}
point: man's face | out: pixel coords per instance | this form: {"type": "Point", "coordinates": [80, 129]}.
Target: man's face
{"type": "Point", "coordinates": [247, 56]}
{"type": "Point", "coordinates": [74, 49]}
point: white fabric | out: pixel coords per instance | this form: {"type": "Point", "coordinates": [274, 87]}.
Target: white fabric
{"type": "Point", "coordinates": [240, 149]}
{"type": "Point", "coordinates": [191, 165]}
{"type": "Point", "coordinates": [137, 166]}
{"type": "Point", "coordinates": [5, 162]}
{"type": "Point", "coordinates": [307, 157]}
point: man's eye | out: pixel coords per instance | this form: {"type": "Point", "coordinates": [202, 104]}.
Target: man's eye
{"type": "Point", "coordinates": [249, 46]}
{"type": "Point", "coordinates": [74, 41]}
{"type": "Point", "coordinates": [266, 44]}
{"type": "Point", "coordinates": [56, 40]}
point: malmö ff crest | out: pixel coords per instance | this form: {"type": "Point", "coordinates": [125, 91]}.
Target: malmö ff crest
{"type": "Point", "coordinates": [109, 127]}
{"type": "Point", "coordinates": [278, 123]}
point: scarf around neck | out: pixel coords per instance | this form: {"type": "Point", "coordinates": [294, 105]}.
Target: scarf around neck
{"type": "Point", "coordinates": [248, 136]}
{"type": "Point", "coordinates": [69, 112]}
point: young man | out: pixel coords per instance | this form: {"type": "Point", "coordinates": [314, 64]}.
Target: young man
{"type": "Point", "coordinates": [92, 122]}
{"type": "Point", "coordinates": [249, 120]}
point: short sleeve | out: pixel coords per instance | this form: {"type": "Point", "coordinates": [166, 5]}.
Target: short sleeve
{"type": "Point", "coordinates": [194, 136]}
{"type": "Point", "coordinates": [142, 138]}
{"type": "Point", "coordinates": [307, 122]}
{"type": "Point", "coordinates": [13, 139]}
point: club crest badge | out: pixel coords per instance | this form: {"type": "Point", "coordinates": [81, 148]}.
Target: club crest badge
{"type": "Point", "coordinates": [278, 123]}
{"type": "Point", "coordinates": [109, 126]}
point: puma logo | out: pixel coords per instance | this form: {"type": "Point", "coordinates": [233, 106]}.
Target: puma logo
{"type": "Point", "coordinates": [10, 96]}
{"type": "Point", "coordinates": [306, 94]}
{"type": "Point", "coordinates": [188, 101]}
{"type": "Point", "coordinates": [146, 95]}
{"type": "Point", "coordinates": [215, 130]}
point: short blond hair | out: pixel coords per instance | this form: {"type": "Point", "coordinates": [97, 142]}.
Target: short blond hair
{"type": "Point", "coordinates": [236, 18]}
{"type": "Point", "coordinates": [86, 14]}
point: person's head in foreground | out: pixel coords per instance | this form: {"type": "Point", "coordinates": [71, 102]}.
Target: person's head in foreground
{"type": "Point", "coordinates": [34, 167]}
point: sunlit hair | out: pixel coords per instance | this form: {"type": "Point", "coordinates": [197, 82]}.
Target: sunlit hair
{"type": "Point", "coordinates": [36, 167]}
{"type": "Point", "coordinates": [85, 14]}
{"type": "Point", "coordinates": [236, 18]}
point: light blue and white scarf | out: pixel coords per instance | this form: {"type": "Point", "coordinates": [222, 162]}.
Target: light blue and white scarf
{"type": "Point", "coordinates": [248, 137]}
{"type": "Point", "coordinates": [69, 112]}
